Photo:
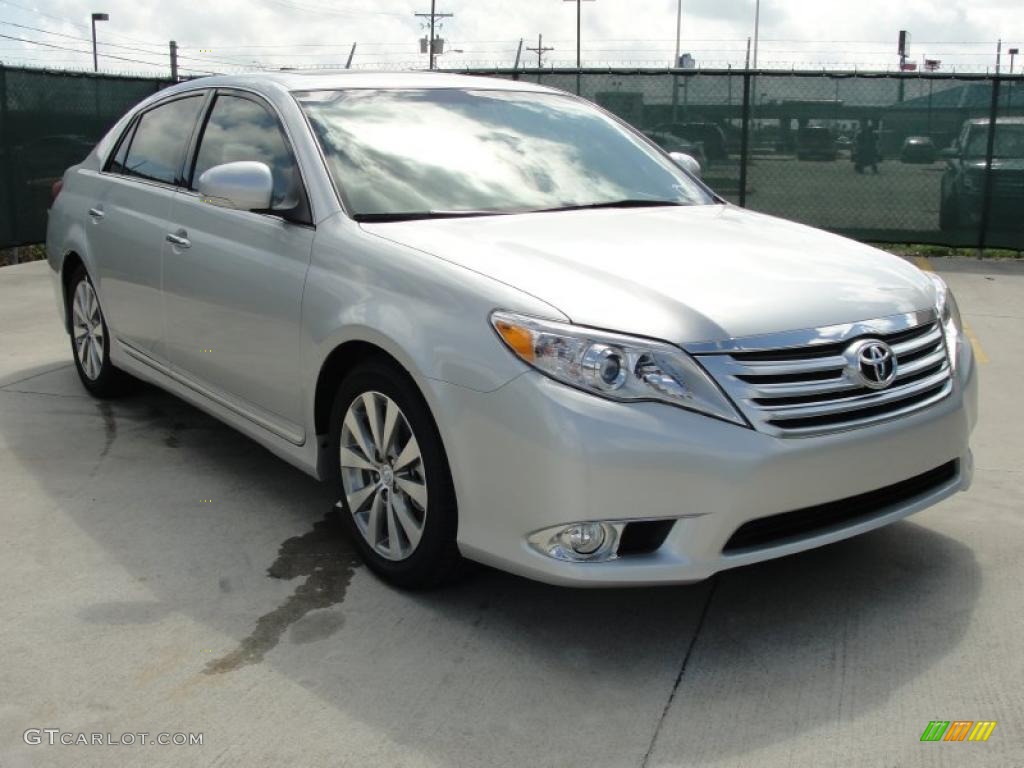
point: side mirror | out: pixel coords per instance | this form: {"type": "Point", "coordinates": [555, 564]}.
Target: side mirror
{"type": "Point", "coordinates": [948, 153]}
{"type": "Point", "coordinates": [687, 162]}
{"type": "Point", "coordinates": [246, 185]}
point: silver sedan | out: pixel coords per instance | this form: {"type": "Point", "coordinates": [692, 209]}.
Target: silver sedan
{"type": "Point", "coordinates": [507, 327]}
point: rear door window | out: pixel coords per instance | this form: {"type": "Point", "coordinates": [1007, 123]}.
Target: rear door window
{"type": "Point", "coordinates": [157, 150]}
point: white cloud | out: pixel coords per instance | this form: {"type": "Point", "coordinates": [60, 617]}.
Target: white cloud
{"type": "Point", "coordinates": [231, 34]}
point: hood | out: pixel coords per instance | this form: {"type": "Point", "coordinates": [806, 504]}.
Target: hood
{"type": "Point", "coordinates": [684, 274]}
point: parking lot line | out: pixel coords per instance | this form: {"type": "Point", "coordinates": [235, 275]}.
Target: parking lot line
{"type": "Point", "coordinates": [924, 264]}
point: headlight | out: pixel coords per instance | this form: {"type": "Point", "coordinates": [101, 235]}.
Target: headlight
{"type": "Point", "coordinates": [949, 316]}
{"type": "Point", "coordinates": [613, 366]}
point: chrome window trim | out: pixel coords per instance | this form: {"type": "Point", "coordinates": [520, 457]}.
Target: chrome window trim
{"type": "Point", "coordinates": [809, 337]}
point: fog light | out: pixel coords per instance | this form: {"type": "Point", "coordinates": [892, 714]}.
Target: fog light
{"type": "Point", "coordinates": [584, 538]}
{"type": "Point", "coordinates": [579, 542]}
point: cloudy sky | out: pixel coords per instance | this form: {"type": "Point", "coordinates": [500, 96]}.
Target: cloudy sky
{"type": "Point", "coordinates": [231, 35]}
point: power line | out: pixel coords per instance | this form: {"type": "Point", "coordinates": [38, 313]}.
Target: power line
{"type": "Point", "coordinates": [78, 50]}
{"type": "Point", "coordinates": [65, 20]}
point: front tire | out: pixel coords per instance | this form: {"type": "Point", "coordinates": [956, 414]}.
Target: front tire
{"type": "Point", "coordinates": [392, 477]}
{"type": "Point", "coordinates": [90, 339]}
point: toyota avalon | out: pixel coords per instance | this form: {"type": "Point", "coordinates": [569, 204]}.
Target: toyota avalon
{"type": "Point", "coordinates": [507, 327]}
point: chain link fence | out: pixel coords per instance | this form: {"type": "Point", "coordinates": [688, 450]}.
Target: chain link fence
{"type": "Point", "coordinates": [49, 121]}
{"type": "Point", "coordinates": [904, 158]}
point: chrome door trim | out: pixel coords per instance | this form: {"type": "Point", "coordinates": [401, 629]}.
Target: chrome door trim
{"type": "Point", "coordinates": [256, 415]}
{"type": "Point", "coordinates": [807, 337]}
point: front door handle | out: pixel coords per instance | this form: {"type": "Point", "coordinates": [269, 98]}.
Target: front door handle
{"type": "Point", "coordinates": [179, 241]}
{"type": "Point", "coordinates": [96, 213]}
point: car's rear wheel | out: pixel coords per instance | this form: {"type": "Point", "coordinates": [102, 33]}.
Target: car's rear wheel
{"type": "Point", "coordinates": [392, 476]}
{"type": "Point", "coordinates": [90, 339]}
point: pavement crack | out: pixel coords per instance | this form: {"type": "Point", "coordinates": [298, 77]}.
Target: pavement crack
{"type": "Point", "coordinates": [682, 671]}
{"type": "Point", "coordinates": [36, 375]}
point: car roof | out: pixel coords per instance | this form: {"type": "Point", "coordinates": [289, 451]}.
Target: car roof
{"type": "Point", "coordinates": [316, 80]}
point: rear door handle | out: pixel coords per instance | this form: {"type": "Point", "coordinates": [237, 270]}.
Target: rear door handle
{"type": "Point", "coordinates": [178, 240]}
{"type": "Point", "coordinates": [96, 213]}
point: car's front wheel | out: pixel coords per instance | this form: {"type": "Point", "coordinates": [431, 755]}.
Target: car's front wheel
{"type": "Point", "coordinates": [390, 468]}
{"type": "Point", "coordinates": [90, 339]}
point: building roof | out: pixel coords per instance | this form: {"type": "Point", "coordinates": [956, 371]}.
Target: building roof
{"type": "Point", "coordinates": [966, 96]}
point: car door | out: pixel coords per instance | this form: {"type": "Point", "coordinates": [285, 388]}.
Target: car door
{"type": "Point", "coordinates": [233, 279]}
{"type": "Point", "coordinates": [128, 219]}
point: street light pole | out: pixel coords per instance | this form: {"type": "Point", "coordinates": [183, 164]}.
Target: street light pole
{"type": "Point", "coordinates": [757, 28]}
{"type": "Point", "coordinates": [675, 62]}
{"type": "Point", "coordinates": [96, 17]}
{"type": "Point", "coordinates": [579, 57]}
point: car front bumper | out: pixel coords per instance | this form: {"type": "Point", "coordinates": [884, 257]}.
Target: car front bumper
{"type": "Point", "coordinates": [535, 454]}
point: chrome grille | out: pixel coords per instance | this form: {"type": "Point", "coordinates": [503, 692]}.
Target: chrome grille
{"type": "Point", "coordinates": [813, 388]}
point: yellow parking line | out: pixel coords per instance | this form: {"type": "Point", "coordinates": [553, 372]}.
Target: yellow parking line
{"type": "Point", "coordinates": [979, 353]}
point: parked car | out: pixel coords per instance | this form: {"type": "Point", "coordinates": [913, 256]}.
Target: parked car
{"type": "Point", "coordinates": [506, 327]}
{"type": "Point", "coordinates": [815, 142]}
{"type": "Point", "coordinates": [710, 136]}
{"type": "Point", "coordinates": [672, 143]}
{"type": "Point", "coordinates": [963, 181]}
{"type": "Point", "coordinates": [963, 185]}
{"type": "Point", "coordinates": [918, 149]}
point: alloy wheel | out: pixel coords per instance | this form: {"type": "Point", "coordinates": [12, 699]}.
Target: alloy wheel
{"type": "Point", "coordinates": [87, 327]}
{"type": "Point", "coordinates": [382, 475]}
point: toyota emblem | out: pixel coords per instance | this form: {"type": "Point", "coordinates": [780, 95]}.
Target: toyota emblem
{"type": "Point", "coordinates": [872, 363]}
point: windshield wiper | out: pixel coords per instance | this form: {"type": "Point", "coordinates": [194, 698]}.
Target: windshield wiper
{"type": "Point", "coordinates": [638, 202]}
{"type": "Point", "coordinates": [414, 215]}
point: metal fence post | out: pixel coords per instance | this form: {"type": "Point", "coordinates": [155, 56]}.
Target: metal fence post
{"type": "Point", "coordinates": [986, 199]}
{"type": "Point", "coordinates": [745, 139]}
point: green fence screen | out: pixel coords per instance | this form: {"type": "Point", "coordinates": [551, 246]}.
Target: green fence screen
{"type": "Point", "coordinates": [923, 158]}
{"type": "Point", "coordinates": [48, 121]}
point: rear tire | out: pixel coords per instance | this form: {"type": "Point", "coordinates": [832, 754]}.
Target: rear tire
{"type": "Point", "coordinates": [391, 473]}
{"type": "Point", "coordinates": [90, 339]}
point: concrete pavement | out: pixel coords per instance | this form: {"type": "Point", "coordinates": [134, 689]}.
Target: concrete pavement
{"type": "Point", "coordinates": [162, 573]}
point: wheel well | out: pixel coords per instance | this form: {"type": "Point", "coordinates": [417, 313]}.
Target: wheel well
{"type": "Point", "coordinates": [335, 368]}
{"type": "Point", "coordinates": [71, 262]}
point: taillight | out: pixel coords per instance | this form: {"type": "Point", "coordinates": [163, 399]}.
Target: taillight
{"type": "Point", "coordinates": [58, 185]}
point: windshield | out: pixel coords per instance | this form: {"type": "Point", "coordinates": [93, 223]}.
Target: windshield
{"type": "Point", "coordinates": [1009, 141]}
{"type": "Point", "coordinates": [454, 150]}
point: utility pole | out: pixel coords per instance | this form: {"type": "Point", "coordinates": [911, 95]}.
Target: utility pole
{"type": "Point", "coordinates": [541, 50]}
{"type": "Point", "coordinates": [351, 53]}
{"type": "Point", "coordinates": [174, 61]}
{"type": "Point", "coordinates": [519, 52]}
{"type": "Point", "coordinates": [432, 16]}
{"type": "Point", "coordinates": [999, 53]}
{"type": "Point", "coordinates": [96, 17]}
